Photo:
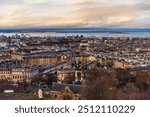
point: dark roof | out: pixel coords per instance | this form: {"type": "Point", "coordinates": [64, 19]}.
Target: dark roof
{"type": "Point", "coordinates": [76, 89]}
{"type": "Point", "coordinates": [139, 68]}
{"type": "Point", "coordinates": [78, 83]}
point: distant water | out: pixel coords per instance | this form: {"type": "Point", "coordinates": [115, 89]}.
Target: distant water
{"type": "Point", "coordinates": [87, 34]}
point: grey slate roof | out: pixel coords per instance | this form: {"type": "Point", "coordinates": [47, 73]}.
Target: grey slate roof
{"type": "Point", "coordinates": [76, 89]}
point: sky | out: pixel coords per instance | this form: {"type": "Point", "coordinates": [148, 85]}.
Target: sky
{"type": "Point", "coordinates": [74, 13]}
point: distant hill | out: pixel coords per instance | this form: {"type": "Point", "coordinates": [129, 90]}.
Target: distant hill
{"type": "Point", "coordinates": [75, 30]}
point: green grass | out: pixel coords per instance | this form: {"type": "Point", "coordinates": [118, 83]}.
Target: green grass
{"type": "Point", "coordinates": [24, 96]}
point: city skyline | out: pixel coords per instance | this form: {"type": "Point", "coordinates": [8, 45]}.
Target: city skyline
{"type": "Point", "coordinates": [77, 13]}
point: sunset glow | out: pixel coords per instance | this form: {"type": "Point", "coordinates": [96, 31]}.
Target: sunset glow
{"type": "Point", "coordinates": [74, 13]}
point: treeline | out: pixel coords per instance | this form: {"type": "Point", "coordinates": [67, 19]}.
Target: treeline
{"type": "Point", "coordinates": [119, 84]}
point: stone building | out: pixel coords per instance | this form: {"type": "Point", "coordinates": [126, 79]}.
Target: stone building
{"type": "Point", "coordinates": [18, 74]}
{"type": "Point", "coordinates": [44, 60]}
{"type": "Point", "coordinates": [69, 73]}
{"type": "Point", "coordinates": [66, 91]}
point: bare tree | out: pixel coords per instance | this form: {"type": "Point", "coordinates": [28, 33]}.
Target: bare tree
{"type": "Point", "coordinates": [142, 80]}
{"type": "Point", "coordinates": [101, 88]}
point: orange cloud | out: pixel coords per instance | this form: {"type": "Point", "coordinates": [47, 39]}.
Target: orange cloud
{"type": "Point", "coordinates": [77, 13]}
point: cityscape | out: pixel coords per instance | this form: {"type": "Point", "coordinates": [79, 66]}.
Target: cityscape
{"type": "Point", "coordinates": [65, 67]}
{"type": "Point", "coordinates": [74, 50]}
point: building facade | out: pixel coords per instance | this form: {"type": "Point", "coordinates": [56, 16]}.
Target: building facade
{"type": "Point", "coordinates": [19, 74]}
{"type": "Point", "coordinates": [66, 92]}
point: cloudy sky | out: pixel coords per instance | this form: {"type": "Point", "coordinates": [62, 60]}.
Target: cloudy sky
{"type": "Point", "coordinates": [74, 13]}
